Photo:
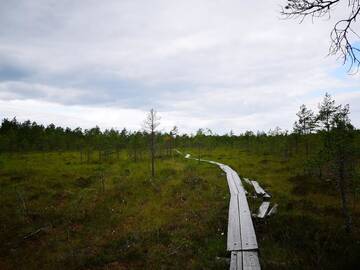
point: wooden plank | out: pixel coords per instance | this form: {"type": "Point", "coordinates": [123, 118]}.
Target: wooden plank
{"type": "Point", "coordinates": [236, 177]}
{"type": "Point", "coordinates": [226, 169]}
{"type": "Point", "coordinates": [259, 190]}
{"type": "Point", "coordinates": [239, 260]}
{"type": "Point", "coordinates": [233, 261]}
{"type": "Point", "coordinates": [273, 210]}
{"type": "Point", "coordinates": [236, 260]}
{"type": "Point", "coordinates": [247, 231]}
{"type": "Point", "coordinates": [232, 187]}
{"type": "Point", "coordinates": [233, 235]}
{"type": "Point", "coordinates": [264, 207]}
{"type": "Point", "coordinates": [250, 260]}
{"type": "Point", "coordinates": [212, 162]}
{"type": "Point", "coordinates": [245, 260]}
{"type": "Point", "coordinates": [237, 181]}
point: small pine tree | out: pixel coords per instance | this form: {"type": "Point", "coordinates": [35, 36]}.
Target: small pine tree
{"type": "Point", "coordinates": [327, 111]}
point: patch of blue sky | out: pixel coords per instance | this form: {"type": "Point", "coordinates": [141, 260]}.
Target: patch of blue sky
{"type": "Point", "coordinates": [348, 68]}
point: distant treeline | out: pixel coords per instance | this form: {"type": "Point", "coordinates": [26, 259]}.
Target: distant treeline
{"type": "Point", "coordinates": [326, 144]}
{"type": "Point", "coordinates": [16, 136]}
{"type": "Point", "coordinates": [306, 138]}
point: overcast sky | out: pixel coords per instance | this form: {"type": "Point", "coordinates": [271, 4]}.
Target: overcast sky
{"type": "Point", "coordinates": [218, 64]}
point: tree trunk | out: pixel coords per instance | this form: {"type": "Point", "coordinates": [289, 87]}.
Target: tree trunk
{"type": "Point", "coordinates": [152, 154]}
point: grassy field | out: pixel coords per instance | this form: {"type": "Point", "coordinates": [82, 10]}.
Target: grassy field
{"type": "Point", "coordinates": [57, 212]}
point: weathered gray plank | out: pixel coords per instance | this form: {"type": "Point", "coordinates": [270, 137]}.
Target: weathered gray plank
{"type": "Point", "coordinates": [239, 260]}
{"type": "Point", "coordinates": [237, 181]}
{"type": "Point", "coordinates": [231, 183]}
{"type": "Point", "coordinates": [232, 187]}
{"type": "Point", "coordinates": [264, 207]}
{"type": "Point", "coordinates": [236, 261]}
{"type": "Point", "coordinates": [259, 190]}
{"type": "Point", "coordinates": [244, 260]}
{"type": "Point", "coordinates": [247, 231]}
{"type": "Point", "coordinates": [273, 210]}
{"type": "Point", "coordinates": [233, 261]}
{"type": "Point", "coordinates": [233, 235]}
{"type": "Point", "coordinates": [250, 260]}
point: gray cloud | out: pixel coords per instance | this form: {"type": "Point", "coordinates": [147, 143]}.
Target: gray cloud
{"type": "Point", "coordinates": [222, 64]}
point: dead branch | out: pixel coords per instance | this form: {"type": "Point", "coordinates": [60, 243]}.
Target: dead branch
{"type": "Point", "coordinates": [342, 34]}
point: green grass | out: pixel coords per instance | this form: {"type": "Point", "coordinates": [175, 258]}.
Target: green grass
{"type": "Point", "coordinates": [176, 221]}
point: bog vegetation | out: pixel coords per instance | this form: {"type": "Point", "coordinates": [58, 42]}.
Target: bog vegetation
{"type": "Point", "coordinates": [92, 199]}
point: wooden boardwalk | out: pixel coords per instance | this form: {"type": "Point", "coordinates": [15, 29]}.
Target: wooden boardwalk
{"type": "Point", "coordinates": [241, 237]}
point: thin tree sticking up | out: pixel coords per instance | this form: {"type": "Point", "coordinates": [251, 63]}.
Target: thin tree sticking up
{"type": "Point", "coordinates": [342, 35]}
{"type": "Point", "coordinates": [306, 124]}
{"type": "Point", "coordinates": [150, 124]}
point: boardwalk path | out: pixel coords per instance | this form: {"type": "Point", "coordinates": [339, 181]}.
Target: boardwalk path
{"type": "Point", "coordinates": [241, 238]}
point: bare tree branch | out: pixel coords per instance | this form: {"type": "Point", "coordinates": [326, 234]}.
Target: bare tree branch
{"type": "Point", "coordinates": [150, 124]}
{"type": "Point", "coordinates": [341, 35]}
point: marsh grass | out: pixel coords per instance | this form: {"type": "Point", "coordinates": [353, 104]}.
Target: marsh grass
{"type": "Point", "coordinates": [57, 212]}
{"type": "Point", "coordinates": [110, 214]}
